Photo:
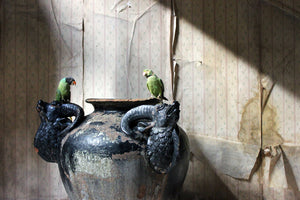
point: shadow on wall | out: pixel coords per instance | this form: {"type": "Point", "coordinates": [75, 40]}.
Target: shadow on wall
{"type": "Point", "coordinates": [29, 65]}
{"type": "Point", "coordinates": [262, 35]}
{"type": "Point", "coordinates": [212, 188]}
{"type": "Point", "coordinates": [255, 31]}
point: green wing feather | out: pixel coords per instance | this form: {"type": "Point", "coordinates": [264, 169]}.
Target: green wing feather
{"type": "Point", "coordinates": [162, 88]}
{"type": "Point", "coordinates": [63, 91]}
{"type": "Point", "coordinates": [154, 85]}
{"type": "Point", "coordinates": [58, 95]}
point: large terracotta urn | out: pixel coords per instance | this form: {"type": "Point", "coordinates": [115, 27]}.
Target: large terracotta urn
{"type": "Point", "coordinates": [125, 149]}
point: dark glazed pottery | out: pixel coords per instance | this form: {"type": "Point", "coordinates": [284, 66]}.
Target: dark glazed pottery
{"type": "Point", "coordinates": [97, 160]}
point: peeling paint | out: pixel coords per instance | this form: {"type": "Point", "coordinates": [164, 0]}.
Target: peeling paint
{"type": "Point", "coordinates": [124, 156]}
{"type": "Point", "coordinates": [95, 165]}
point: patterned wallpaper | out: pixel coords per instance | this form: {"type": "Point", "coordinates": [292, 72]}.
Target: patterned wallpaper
{"type": "Point", "coordinates": [237, 77]}
{"type": "Point", "coordinates": [118, 46]}
{"type": "Point", "coordinates": [34, 56]}
{"type": "Point", "coordinates": [238, 70]}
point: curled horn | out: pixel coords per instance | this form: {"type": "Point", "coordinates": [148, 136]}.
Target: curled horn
{"type": "Point", "coordinates": [69, 110]}
{"type": "Point", "coordinates": [135, 114]}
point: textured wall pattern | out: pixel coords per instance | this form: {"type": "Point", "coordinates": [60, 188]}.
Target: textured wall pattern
{"type": "Point", "coordinates": [119, 45]}
{"type": "Point", "coordinates": [237, 79]}
{"type": "Point", "coordinates": [33, 58]}
{"type": "Point", "coordinates": [218, 60]}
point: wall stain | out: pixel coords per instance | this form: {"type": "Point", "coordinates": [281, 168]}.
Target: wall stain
{"type": "Point", "coordinates": [250, 123]}
{"type": "Point", "coordinates": [271, 137]}
{"type": "Point", "coordinates": [250, 130]}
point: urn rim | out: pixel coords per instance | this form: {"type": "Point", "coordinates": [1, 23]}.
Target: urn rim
{"type": "Point", "coordinates": [119, 104]}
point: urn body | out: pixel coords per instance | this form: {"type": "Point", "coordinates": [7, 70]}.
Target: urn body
{"type": "Point", "coordinates": [98, 161]}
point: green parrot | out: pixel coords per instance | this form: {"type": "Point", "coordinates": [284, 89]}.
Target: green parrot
{"type": "Point", "coordinates": [154, 84]}
{"type": "Point", "coordinates": [63, 90]}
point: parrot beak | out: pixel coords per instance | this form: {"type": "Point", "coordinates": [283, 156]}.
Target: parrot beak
{"type": "Point", "coordinates": [144, 73]}
{"type": "Point", "coordinates": [73, 82]}
{"type": "Point", "coordinates": [36, 150]}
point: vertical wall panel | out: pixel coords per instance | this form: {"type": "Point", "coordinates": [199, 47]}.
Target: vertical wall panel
{"type": "Point", "coordinates": [186, 85]}
{"type": "Point", "coordinates": [288, 78]}
{"type": "Point", "coordinates": [21, 61]}
{"type": "Point", "coordinates": [2, 96]}
{"type": "Point", "coordinates": [39, 45]}
{"type": "Point", "coordinates": [221, 78]}
{"type": "Point", "coordinates": [197, 69]}
{"type": "Point", "coordinates": [220, 69]}
{"type": "Point", "coordinates": [10, 102]}
{"type": "Point", "coordinates": [231, 74]}
{"type": "Point", "coordinates": [243, 71]}
{"type": "Point", "coordinates": [209, 64]}
{"type": "Point", "coordinates": [296, 78]}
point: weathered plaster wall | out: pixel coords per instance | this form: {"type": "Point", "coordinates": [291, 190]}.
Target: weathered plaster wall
{"type": "Point", "coordinates": [33, 58]}
{"type": "Point", "coordinates": [280, 33]}
{"type": "Point", "coordinates": [218, 56]}
{"type": "Point", "coordinates": [240, 76]}
{"type": "Point", "coordinates": [236, 77]}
